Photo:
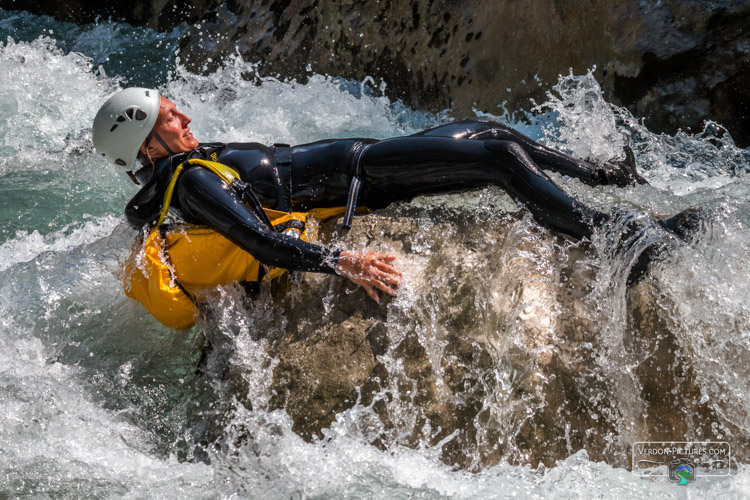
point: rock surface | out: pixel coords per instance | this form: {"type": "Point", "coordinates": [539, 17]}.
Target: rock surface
{"type": "Point", "coordinates": [674, 63]}
{"type": "Point", "coordinates": [503, 345]}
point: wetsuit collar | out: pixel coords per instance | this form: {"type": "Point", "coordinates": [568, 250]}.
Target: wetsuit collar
{"type": "Point", "coordinates": [144, 174]}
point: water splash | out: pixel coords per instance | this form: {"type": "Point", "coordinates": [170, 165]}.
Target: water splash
{"type": "Point", "coordinates": [237, 104]}
{"type": "Point", "coordinates": [587, 126]}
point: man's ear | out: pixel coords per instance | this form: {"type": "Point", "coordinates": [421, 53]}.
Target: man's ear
{"type": "Point", "coordinates": [147, 151]}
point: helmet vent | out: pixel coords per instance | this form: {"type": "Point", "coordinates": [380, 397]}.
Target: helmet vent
{"type": "Point", "coordinates": [140, 115]}
{"type": "Point", "coordinates": [121, 162]}
{"type": "Point", "coordinates": [129, 112]}
{"type": "Point", "coordinates": [113, 128]}
{"type": "Point", "coordinates": [121, 118]}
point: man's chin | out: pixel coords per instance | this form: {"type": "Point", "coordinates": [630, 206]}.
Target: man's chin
{"type": "Point", "coordinates": [188, 146]}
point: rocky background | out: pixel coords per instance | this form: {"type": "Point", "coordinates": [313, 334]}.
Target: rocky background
{"type": "Point", "coordinates": [674, 63]}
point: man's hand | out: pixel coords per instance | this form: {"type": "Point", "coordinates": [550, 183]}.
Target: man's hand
{"type": "Point", "coordinates": [370, 271]}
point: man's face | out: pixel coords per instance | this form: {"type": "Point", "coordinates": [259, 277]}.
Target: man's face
{"type": "Point", "coordinates": [172, 127]}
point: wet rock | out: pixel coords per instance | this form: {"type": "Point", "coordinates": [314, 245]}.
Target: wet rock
{"type": "Point", "coordinates": [159, 14]}
{"type": "Point", "coordinates": [504, 345]}
{"type": "Point", "coordinates": [319, 374]}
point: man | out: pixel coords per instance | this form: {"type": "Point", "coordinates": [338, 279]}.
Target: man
{"type": "Point", "coordinates": [140, 125]}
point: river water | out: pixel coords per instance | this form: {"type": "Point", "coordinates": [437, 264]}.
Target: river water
{"type": "Point", "coordinates": [99, 400]}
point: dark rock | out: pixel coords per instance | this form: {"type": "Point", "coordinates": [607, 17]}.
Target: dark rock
{"type": "Point", "coordinates": [674, 63]}
{"type": "Point", "coordinates": [318, 375]}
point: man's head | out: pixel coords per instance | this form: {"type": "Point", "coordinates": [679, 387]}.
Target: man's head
{"type": "Point", "coordinates": [138, 121]}
{"type": "Point", "coordinates": [170, 134]}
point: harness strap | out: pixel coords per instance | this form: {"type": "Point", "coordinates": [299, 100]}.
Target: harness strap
{"type": "Point", "coordinates": [283, 177]}
{"type": "Point", "coordinates": [249, 197]}
{"type": "Point", "coordinates": [354, 186]}
{"type": "Point", "coordinates": [229, 175]}
{"type": "Point", "coordinates": [290, 224]}
{"type": "Point", "coordinates": [163, 233]}
{"type": "Point", "coordinates": [168, 194]}
{"type": "Point", "coordinates": [351, 203]}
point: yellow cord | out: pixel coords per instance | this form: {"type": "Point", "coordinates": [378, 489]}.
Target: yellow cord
{"type": "Point", "coordinates": [226, 173]}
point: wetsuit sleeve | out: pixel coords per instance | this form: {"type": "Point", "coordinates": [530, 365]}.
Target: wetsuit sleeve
{"type": "Point", "coordinates": [205, 197]}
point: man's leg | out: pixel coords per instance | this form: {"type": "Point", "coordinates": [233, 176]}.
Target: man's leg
{"type": "Point", "coordinates": [619, 173]}
{"type": "Point", "coordinates": [402, 168]}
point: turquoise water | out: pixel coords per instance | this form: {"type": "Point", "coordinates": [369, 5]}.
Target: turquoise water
{"type": "Point", "coordinates": [99, 400]}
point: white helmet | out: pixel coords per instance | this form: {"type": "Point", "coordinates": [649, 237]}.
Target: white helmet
{"type": "Point", "coordinates": [123, 123]}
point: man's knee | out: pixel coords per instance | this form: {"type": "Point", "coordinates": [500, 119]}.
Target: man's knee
{"type": "Point", "coordinates": [508, 147]}
{"type": "Point", "coordinates": [491, 121]}
{"type": "Point", "coordinates": [512, 154]}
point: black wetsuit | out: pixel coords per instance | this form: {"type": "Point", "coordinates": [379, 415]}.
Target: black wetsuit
{"type": "Point", "coordinates": [461, 155]}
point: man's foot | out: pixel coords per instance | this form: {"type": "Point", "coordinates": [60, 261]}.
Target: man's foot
{"type": "Point", "coordinates": [685, 225]}
{"type": "Point", "coordinates": [651, 253]}
{"type": "Point", "coordinates": [621, 173]}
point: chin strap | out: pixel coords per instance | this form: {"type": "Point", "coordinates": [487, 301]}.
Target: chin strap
{"type": "Point", "coordinates": [155, 134]}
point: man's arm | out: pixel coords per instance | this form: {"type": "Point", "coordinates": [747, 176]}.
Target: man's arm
{"type": "Point", "coordinates": [205, 197]}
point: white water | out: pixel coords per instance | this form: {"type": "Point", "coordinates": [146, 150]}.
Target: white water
{"type": "Point", "coordinates": [96, 397]}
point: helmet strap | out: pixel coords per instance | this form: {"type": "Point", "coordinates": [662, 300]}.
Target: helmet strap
{"type": "Point", "coordinates": [154, 133]}
{"type": "Point", "coordinates": [161, 141]}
